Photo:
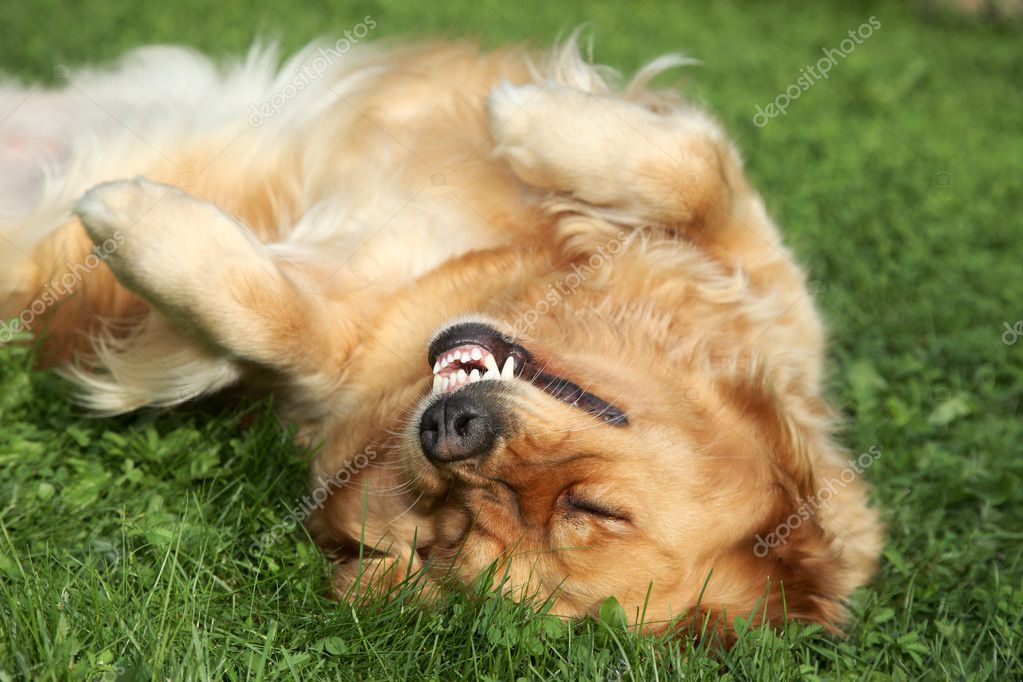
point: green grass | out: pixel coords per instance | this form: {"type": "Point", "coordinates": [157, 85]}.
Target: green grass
{"type": "Point", "coordinates": [125, 543]}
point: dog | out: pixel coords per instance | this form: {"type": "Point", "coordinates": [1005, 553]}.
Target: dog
{"type": "Point", "coordinates": [534, 316]}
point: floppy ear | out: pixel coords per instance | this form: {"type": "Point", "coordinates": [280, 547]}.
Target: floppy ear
{"type": "Point", "coordinates": [802, 579]}
{"type": "Point", "coordinates": [813, 547]}
{"type": "Point", "coordinates": [798, 581]}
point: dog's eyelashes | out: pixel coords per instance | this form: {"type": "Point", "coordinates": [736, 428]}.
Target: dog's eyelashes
{"type": "Point", "coordinates": [574, 502]}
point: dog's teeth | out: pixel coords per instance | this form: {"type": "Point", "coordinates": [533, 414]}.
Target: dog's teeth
{"type": "Point", "coordinates": [474, 376]}
{"type": "Point", "coordinates": [509, 368]}
{"type": "Point", "coordinates": [436, 367]}
{"type": "Point", "coordinates": [490, 364]}
{"type": "Point", "coordinates": [443, 363]}
{"type": "Point", "coordinates": [461, 377]}
{"type": "Point", "coordinates": [438, 382]}
{"type": "Point", "coordinates": [492, 375]}
{"type": "Point", "coordinates": [465, 356]}
{"type": "Point", "coordinates": [477, 354]}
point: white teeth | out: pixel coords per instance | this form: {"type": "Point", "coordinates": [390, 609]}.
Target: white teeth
{"type": "Point", "coordinates": [491, 365]}
{"type": "Point", "coordinates": [451, 381]}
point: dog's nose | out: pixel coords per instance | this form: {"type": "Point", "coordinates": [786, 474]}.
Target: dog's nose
{"type": "Point", "coordinates": [456, 427]}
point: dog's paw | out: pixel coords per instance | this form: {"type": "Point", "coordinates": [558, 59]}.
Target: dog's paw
{"type": "Point", "coordinates": [511, 124]}
{"type": "Point", "coordinates": [506, 101]}
{"type": "Point", "coordinates": [115, 208]}
{"type": "Point", "coordinates": [158, 239]}
{"type": "Point", "coordinates": [127, 221]}
{"type": "Point", "coordinates": [563, 138]}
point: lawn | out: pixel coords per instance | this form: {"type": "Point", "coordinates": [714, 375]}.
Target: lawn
{"type": "Point", "coordinates": [125, 543]}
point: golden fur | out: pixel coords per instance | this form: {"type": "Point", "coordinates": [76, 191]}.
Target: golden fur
{"type": "Point", "coordinates": [609, 230]}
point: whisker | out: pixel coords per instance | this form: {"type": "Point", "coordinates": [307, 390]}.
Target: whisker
{"type": "Point", "coordinates": [414, 503]}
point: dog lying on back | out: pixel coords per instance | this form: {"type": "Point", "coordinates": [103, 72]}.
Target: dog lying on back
{"type": "Point", "coordinates": [533, 317]}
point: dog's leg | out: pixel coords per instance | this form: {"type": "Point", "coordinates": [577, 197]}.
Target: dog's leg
{"type": "Point", "coordinates": [674, 169]}
{"type": "Point", "coordinates": [213, 276]}
{"type": "Point", "coordinates": [610, 152]}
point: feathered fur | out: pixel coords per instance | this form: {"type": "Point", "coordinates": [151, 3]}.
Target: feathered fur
{"type": "Point", "coordinates": [311, 233]}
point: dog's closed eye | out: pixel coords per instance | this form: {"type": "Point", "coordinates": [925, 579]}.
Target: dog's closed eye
{"type": "Point", "coordinates": [574, 502]}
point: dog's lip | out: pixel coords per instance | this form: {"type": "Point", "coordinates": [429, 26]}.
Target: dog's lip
{"type": "Point", "coordinates": [477, 334]}
{"type": "Point", "coordinates": [501, 358]}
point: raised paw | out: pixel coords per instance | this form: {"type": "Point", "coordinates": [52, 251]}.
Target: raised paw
{"type": "Point", "coordinates": [566, 139]}
{"type": "Point", "coordinates": [169, 244]}
{"type": "Point", "coordinates": [207, 272]}
{"type": "Point", "coordinates": [115, 208]}
{"type": "Point", "coordinates": [119, 214]}
{"type": "Point", "coordinates": [608, 150]}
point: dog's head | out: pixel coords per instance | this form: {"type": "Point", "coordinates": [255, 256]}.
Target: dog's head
{"type": "Point", "coordinates": [599, 464]}
{"type": "Point", "coordinates": [609, 438]}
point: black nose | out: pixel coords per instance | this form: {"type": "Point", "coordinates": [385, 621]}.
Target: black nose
{"type": "Point", "coordinates": [456, 427]}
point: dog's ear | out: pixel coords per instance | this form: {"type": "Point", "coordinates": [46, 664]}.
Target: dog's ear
{"type": "Point", "coordinates": [800, 581]}
{"type": "Point", "coordinates": [804, 578]}
{"type": "Point", "coordinates": [789, 565]}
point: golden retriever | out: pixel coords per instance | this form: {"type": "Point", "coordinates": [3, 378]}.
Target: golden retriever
{"type": "Point", "coordinates": [535, 315]}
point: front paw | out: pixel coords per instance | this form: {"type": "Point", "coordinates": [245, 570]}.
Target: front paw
{"type": "Point", "coordinates": [565, 139]}
{"type": "Point", "coordinates": [516, 114]}
{"type": "Point", "coordinates": [115, 208]}
{"type": "Point", "coordinates": [166, 239]}
{"type": "Point", "coordinates": [512, 113]}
